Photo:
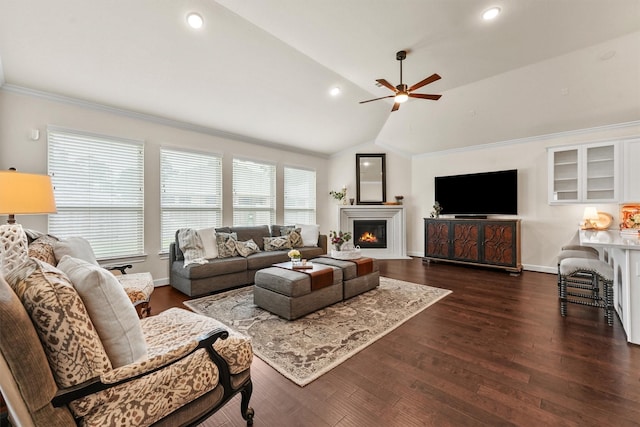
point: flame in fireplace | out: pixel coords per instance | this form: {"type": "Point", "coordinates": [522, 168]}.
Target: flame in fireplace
{"type": "Point", "coordinates": [368, 237]}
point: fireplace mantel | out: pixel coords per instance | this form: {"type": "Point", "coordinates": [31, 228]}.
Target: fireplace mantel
{"type": "Point", "coordinates": [396, 229]}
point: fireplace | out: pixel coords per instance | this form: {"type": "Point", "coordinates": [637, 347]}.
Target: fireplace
{"type": "Point", "coordinates": [370, 233]}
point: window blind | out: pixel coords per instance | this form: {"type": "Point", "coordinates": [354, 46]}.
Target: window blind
{"type": "Point", "coordinates": [254, 193]}
{"type": "Point", "coordinates": [99, 189]}
{"type": "Point", "coordinates": [191, 192]}
{"type": "Point", "coordinates": [299, 196]}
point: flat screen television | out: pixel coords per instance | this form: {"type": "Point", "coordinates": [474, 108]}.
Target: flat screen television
{"type": "Point", "coordinates": [487, 193]}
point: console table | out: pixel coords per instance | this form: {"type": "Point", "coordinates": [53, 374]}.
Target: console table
{"type": "Point", "coordinates": [483, 242]}
{"type": "Point", "coordinates": [624, 256]}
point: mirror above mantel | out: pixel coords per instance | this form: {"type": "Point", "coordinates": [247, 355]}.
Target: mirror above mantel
{"type": "Point", "coordinates": [370, 179]}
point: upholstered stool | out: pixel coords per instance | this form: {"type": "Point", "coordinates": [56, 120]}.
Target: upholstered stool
{"type": "Point", "coordinates": [139, 287]}
{"type": "Point", "coordinates": [588, 276]}
{"type": "Point", "coordinates": [574, 251]}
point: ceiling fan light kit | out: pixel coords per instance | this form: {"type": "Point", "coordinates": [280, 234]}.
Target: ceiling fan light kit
{"type": "Point", "coordinates": [402, 92]}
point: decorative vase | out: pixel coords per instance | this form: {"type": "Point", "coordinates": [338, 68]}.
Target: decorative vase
{"type": "Point", "coordinates": [296, 261]}
{"type": "Point", "coordinates": [337, 246]}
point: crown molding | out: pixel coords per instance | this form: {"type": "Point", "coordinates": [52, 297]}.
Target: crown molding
{"type": "Point", "coordinates": [152, 118]}
{"type": "Point", "coordinates": [531, 139]}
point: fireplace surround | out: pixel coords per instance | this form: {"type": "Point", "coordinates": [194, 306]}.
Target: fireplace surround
{"type": "Point", "coordinates": [394, 218]}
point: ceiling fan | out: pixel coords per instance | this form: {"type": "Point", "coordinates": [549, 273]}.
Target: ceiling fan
{"type": "Point", "coordinates": [402, 91]}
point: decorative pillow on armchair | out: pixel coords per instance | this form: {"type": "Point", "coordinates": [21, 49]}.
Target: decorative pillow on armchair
{"type": "Point", "coordinates": [110, 310]}
{"type": "Point", "coordinates": [226, 244]}
{"type": "Point", "coordinates": [294, 236]}
{"type": "Point", "coordinates": [277, 243]}
{"type": "Point", "coordinates": [247, 248]}
{"type": "Point", "coordinates": [69, 339]}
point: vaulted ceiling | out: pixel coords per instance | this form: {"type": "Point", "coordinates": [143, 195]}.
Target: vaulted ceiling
{"type": "Point", "coordinates": [262, 70]}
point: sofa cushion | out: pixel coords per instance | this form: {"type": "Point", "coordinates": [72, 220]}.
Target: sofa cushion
{"type": "Point", "coordinates": [247, 248]}
{"type": "Point", "coordinates": [266, 259]}
{"type": "Point", "coordinates": [309, 233]}
{"type": "Point", "coordinates": [294, 236]}
{"type": "Point", "coordinates": [226, 244]}
{"type": "Point", "coordinates": [110, 310]}
{"type": "Point", "coordinates": [256, 233]}
{"type": "Point", "coordinates": [70, 341]}
{"type": "Point", "coordinates": [214, 267]}
{"type": "Point", "coordinates": [76, 247]}
{"type": "Point", "coordinates": [190, 244]}
{"type": "Point", "coordinates": [42, 249]}
{"type": "Point", "coordinates": [209, 243]}
{"type": "Point", "coordinates": [277, 243]}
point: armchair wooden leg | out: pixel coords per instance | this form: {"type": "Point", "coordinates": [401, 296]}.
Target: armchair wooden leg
{"type": "Point", "coordinates": [247, 412]}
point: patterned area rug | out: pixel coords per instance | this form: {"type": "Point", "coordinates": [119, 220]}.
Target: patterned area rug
{"type": "Point", "coordinates": [304, 349]}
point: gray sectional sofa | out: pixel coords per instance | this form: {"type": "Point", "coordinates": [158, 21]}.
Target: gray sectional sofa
{"type": "Point", "coordinates": [226, 273]}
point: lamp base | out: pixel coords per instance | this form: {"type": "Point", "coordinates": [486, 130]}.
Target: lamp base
{"type": "Point", "coordinates": [13, 247]}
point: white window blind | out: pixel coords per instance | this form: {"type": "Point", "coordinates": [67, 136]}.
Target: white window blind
{"type": "Point", "coordinates": [191, 192]}
{"type": "Point", "coordinates": [299, 196]}
{"type": "Point", "coordinates": [99, 189]}
{"type": "Point", "coordinates": [254, 193]}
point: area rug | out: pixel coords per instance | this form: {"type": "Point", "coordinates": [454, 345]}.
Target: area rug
{"type": "Point", "coordinates": [304, 349]}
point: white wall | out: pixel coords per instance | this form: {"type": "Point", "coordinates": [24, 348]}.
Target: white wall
{"type": "Point", "coordinates": [545, 228]}
{"type": "Point", "coordinates": [20, 113]}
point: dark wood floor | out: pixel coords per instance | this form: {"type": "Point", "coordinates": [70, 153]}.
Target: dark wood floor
{"type": "Point", "coordinates": [495, 352]}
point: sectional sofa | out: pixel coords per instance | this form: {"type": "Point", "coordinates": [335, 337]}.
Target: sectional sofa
{"type": "Point", "coordinates": [218, 274]}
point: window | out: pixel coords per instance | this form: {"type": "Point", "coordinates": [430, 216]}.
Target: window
{"type": "Point", "coordinates": [299, 196]}
{"type": "Point", "coordinates": [191, 192]}
{"type": "Point", "coordinates": [99, 188]}
{"type": "Point", "coordinates": [254, 193]}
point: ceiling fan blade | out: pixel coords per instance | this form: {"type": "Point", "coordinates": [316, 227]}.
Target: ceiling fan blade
{"type": "Point", "coordinates": [386, 84]}
{"type": "Point", "coordinates": [432, 78]}
{"type": "Point", "coordinates": [395, 107]}
{"type": "Point", "coordinates": [375, 99]}
{"type": "Point", "coordinates": [424, 96]}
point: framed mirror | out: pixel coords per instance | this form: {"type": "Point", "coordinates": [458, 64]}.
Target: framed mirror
{"type": "Point", "coordinates": [371, 183]}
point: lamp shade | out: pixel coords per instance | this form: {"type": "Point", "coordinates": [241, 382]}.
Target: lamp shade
{"type": "Point", "coordinates": [25, 193]}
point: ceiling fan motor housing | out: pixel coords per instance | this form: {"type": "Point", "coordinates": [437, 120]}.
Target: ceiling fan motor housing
{"type": "Point", "coordinates": [401, 55]}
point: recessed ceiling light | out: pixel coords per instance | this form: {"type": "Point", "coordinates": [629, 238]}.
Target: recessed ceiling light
{"type": "Point", "coordinates": [491, 13]}
{"type": "Point", "coordinates": [195, 20]}
{"type": "Point", "coordinates": [335, 91]}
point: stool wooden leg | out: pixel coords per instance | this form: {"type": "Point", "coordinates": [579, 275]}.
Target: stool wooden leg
{"type": "Point", "coordinates": [608, 286]}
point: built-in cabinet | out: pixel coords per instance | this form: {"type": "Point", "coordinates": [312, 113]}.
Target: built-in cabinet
{"type": "Point", "coordinates": [586, 173]}
{"type": "Point", "coordinates": [631, 163]}
{"type": "Point", "coordinates": [486, 242]}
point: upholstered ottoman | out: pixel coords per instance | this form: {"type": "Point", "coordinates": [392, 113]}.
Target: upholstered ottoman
{"type": "Point", "coordinates": [358, 276]}
{"type": "Point", "coordinates": [290, 294]}
{"type": "Point", "coordinates": [139, 287]}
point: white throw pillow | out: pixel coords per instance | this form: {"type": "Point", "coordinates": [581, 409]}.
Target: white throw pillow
{"type": "Point", "coordinates": [309, 233]}
{"type": "Point", "coordinates": [110, 310]}
{"type": "Point", "coordinates": [208, 237]}
{"type": "Point", "coordinates": [75, 247]}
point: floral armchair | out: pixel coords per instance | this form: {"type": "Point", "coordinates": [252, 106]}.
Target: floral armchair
{"type": "Point", "coordinates": [70, 357]}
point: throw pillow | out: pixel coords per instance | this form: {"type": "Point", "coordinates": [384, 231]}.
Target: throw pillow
{"type": "Point", "coordinates": [277, 243]}
{"type": "Point", "coordinates": [294, 236]}
{"type": "Point", "coordinates": [42, 249]}
{"type": "Point", "coordinates": [13, 247]}
{"type": "Point", "coordinates": [190, 244]}
{"type": "Point", "coordinates": [110, 310]}
{"type": "Point", "coordinates": [69, 339]}
{"type": "Point", "coordinates": [77, 247]}
{"type": "Point", "coordinates": [310, 234]}
{"type": "Point", "coordinates": [209, 243]}
{"type": "Point", "coordinates": [247, 248]}
{"type": "Point", "coordinates": [226, 244]}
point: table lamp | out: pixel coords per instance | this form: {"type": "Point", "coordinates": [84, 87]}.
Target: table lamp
{"type": "Point", "coordinates": [21, 193]}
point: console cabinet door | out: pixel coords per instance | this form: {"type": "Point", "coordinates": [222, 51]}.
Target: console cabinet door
{"type": "Point", "coordinates": [465, 241]}
{"type": "Point", "coordinates": [436, 238]}
{"type": "Point", "coordinates": [499, 243]}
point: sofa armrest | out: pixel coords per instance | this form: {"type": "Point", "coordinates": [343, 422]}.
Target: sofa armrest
{"type": "Point", "coordinates": [323, 242]}
{"type": "Point", "coordinates": [138, 370]}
